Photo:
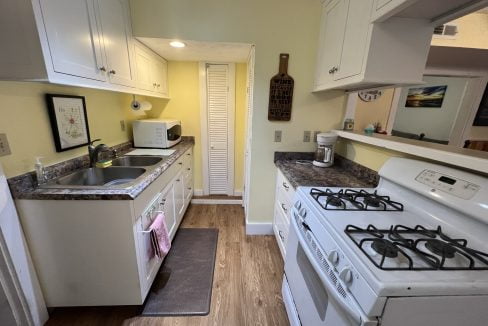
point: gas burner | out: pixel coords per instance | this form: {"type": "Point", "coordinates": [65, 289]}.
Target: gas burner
{"type": "Point", "coordinates": [385, 248]}
{"type": "Point", "coordinates": [440, 248]}
{"type": "Point", "coordinates": [416, 248]}
{"type": "Point", "coordinates": [372, 201]}
{"type": "Point", "coordinates": [354, 200]}
{"type": "Point", "coordinates": [334, 201]}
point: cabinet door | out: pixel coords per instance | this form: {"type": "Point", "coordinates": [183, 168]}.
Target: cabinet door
{"type": "Point", "coordinates": [179, 196]}
{"type": "Point", "coordinates": [144, 67]}
{"type": "Point", "coordinates": [332, 29]}
{"type": "Point", "coordinates": [161, 76]}
{"type": "Point", "coordinates": [117, 40]}
{"type": "Point", "coordinates": [73, 36]}
{"type": "Point", "coordinates": [168, 207]}
{"type": "Point", "coordinates": [355, 39]}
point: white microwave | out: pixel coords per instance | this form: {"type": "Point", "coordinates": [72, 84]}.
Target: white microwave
{"type": "Point", "coordinates": [156, 133]}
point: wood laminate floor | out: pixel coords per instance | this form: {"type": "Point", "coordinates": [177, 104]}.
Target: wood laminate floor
{"type": "Point", "coordinates": [246, 287]}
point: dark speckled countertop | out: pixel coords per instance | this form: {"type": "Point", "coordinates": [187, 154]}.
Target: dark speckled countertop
{"type": "Point", "coordinates": [23, 186]}
{"type": "Point", "coordinates": [344, 173]}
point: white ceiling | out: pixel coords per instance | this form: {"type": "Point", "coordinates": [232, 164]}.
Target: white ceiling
{"type": "Point", "coordinates": [199, 51]}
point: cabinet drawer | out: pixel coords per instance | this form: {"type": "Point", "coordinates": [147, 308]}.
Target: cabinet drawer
{"type": "Point", "coordinates": [283, 186]}
{"type": "Point", "coordinates": [284, 203]}
{"type": "Point", "coordinates": [280, 228]}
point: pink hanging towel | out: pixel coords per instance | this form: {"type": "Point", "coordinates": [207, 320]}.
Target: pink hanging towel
{"type": "Point", "coordinates": [160, 240]}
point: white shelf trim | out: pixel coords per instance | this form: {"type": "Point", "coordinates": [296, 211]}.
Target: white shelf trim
{"type": "Point", "coordinates": [462, 157]}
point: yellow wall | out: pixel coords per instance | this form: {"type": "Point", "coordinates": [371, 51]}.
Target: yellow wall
{"type": "Point", "coordinates": [185, 106]}
{"type": "Point", "coordinates": [375, 111]}
{"type": "Point", "coordinates": [24, 118]}
{"type": "Point", "coordinates": [274, 26]}
{"type": "Point", "coordinates": [473, 32]}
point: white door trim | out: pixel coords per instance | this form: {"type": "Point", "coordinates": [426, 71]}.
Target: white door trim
{"type": "Point", "coordinates": [247, 151]}
{"type": "Point", "coordinates": [204, 125]}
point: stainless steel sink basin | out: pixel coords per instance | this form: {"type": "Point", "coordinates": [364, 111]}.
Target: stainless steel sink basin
{"type": "Point", "coordinates": [136, 161]}
{"type": "Point", "coordinates": [111, 177]}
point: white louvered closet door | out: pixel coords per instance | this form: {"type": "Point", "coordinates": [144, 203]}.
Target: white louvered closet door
{"type": "Point", "coordinates": [218, 127]}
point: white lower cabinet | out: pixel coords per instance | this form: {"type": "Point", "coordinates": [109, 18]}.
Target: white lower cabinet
{"type": "Point", "coordinates": [282, 212]}
{"type": "Point", "coordinates": [98, 252]}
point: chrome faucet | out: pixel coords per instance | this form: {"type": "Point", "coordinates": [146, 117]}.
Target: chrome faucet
{"type": "Point", "coordinates": [94, 151]}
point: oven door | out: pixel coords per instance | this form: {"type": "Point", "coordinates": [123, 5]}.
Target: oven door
{"type": "Point", "coordinates": [320, 298]}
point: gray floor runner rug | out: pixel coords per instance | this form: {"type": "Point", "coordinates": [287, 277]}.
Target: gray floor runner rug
{"type": "Point", "coordinates": [183, 286]}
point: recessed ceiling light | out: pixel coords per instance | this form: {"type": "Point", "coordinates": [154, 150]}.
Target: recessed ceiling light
{"type": "Point", "coordinates": [177, 44]}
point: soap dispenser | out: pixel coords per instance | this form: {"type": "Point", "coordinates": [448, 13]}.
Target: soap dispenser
{"type": "Point", "coordinates": [41, 178]}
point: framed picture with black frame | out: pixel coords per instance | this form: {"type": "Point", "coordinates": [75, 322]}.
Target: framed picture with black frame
{"type": "Point", "coordinates": [481, 118]}
{"type": "Point", "coordinates": [69, 121]}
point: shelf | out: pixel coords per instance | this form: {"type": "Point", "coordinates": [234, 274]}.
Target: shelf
{"type": "Point", "coordinates": [461, 157]}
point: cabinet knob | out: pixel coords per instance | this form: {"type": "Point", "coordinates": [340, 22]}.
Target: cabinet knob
{"type": "Point", "coordinates": [180, 163]}
{"type": "Point", "coordinates": [189, 188]}
{"type": "Point", "coordinates": [286, 186]}
{"type": "Point", "coordinates": [284, 208]}
{"type": "Point", "coordinates": [154, 84]}
{"type": "Point", "coordinates": [333, 70]}
{"type": "Point", "coordinates": [113, 72]}
{"type": "Point", "coordinates": [102, 68]}
{"type": "Point", "coordinates": [158, 85]}
{"type": "Point", "coordinates": [188, 169]}
{"type": "Point", "coordinates": [281, 235]}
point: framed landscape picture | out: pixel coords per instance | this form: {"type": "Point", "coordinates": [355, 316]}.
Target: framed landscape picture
{"type": "Point", "coordinates": [426, 97]}
{"type": "Point", "coordinates": [69, 121]}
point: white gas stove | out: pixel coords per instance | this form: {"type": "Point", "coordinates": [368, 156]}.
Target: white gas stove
{"type": "Point", "coordinates": [412, 251]}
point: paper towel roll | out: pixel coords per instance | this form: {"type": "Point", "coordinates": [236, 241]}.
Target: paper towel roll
{"type": "Point", "coordinates": [140, 106]}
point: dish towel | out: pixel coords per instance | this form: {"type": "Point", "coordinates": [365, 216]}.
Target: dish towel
{"type": "Point", "coordinates": [160, 240]}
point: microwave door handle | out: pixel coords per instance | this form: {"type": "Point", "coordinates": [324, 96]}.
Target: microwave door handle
{"type": "Point", "coordinates": [331, 289]}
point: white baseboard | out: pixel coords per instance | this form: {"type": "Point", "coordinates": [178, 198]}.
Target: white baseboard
{"type": "Point", "coordinates": [201, 201]}
{"type": "Point", "coordinates": [259, 228]}
{"type": "Point", "coordinates": [198, 192]}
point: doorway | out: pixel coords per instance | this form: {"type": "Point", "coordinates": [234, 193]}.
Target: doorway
{"type": "Point", "coordinates": [217, 82]}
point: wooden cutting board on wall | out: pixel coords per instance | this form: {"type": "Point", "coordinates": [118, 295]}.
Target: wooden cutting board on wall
{"type": "Point", "coordinates": [281, 92]}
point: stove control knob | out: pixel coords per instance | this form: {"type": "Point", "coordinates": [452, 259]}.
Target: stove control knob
{"type": "Point", "coordinates": [346, 276]}
{"type": "Point", "coordinates": [333, 257]}
{"type": "Point", "coordinates": [298, 205]}
{"type": "Point", "coordinates": [302, 212]}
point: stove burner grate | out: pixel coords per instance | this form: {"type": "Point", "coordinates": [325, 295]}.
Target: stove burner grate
{"type": "Point", "coordinates": [407, 242]}
{"type": "Point", "coordinates": [358, 200]}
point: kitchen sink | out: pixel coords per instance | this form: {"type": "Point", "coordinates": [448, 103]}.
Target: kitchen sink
{"type": "Point", "coordinates": [98, 177]}
{"type": "Point", "coordinates": [136, 161]}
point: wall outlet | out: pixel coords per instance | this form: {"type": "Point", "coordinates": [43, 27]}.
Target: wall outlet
{"type": "Point", "coordinates": [277, 136]}
{"type": "Point", "coordinates": [122, 125]}
{"type": "Point", "coordinates": [306, 136]}
{"type": "Point", "coordinates": [315, 133]}
{"type": "Point", "coordinates": [4, 147]}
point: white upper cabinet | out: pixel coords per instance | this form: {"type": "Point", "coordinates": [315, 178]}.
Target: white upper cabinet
{"type": "Point", "coordinates": [151, 70]}
{"type": "Point", "coordinates": [117, 40]}
{"type": "Point", "coordinates": [377, 43]}
{"type": "Point", "coordinates": [161, 76]}
{"type": "Point", "coordinates": [357, 54]}
{"type": "Point", "coordinates": [73, 37]}
{"type": "Point", "coordinates": [333, 26]}
{"type": "Point", "coordinates": [85, 43]}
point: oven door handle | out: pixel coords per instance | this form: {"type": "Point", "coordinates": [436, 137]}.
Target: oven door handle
{"type": "Point", "coordinates": [331, 289]}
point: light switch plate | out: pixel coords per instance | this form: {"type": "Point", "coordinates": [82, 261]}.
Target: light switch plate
{"type": "Point", "coordinates": [306, 136]}
{"type": "Point", "coordinates": [277, 136]}
{"type": "Point", "coordinates": [315, 133]}
{"type": "Point", "coordinates": [122, 125]}
{"type": "Point", "coordinates": [4, 147]}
